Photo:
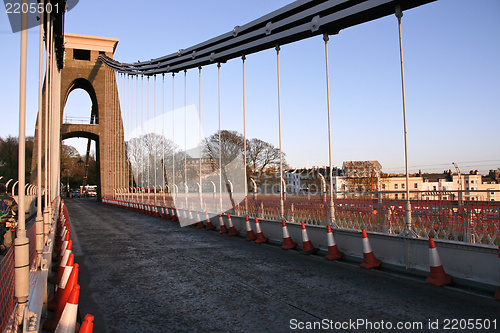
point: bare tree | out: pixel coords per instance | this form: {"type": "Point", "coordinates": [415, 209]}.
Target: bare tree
{"type": "Point", "coordinates": [262, 156]}
{"type": "Point", "coordinates": [150, 155]}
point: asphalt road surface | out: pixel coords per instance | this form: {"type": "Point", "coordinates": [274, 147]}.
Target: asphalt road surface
{"type": "Point", "coordinates": [144, 274]}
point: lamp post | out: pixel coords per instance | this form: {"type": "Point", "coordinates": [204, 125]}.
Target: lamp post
{"type": "Point", "coordinates": [80, 164]}
{"type": "Point", "coordinates": [67, 182]}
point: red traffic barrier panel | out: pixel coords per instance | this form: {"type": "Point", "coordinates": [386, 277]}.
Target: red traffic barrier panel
{"type": "Point", "coordinates": [287, 240]}
{"type": "Point", "coordinates": [250, 234]}
{"type": "Point", "coordinates": [87, 325]}
{"type": "Point", "coordinates": [67, 322]}
{"type": "Point", "coordinates": [369, 260]}
{"type": "Point", "coordinates": [210, 225]}
{"type": "Point", "coordinates": [260, 235]}
{"type": "Point", "coordinates": [333, 251]}
{"type": "Point", "coordinates": [232, 229]}
{"type": "Point", "coordinates": [307, 246]}
{"type": "Point", "coordinates": [437, 276]}
{"type": "Point", "coordinates": [223, 228]}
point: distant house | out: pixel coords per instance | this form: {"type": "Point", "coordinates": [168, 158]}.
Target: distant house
{"type": "Point", "coordinates": [362, 175]}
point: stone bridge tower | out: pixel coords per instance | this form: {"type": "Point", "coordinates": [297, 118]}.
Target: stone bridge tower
{"type": "Point", "coordinates": [82, 70]}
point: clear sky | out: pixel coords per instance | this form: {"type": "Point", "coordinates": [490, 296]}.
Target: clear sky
{"type": "Point", "coordinates": [452, 72]}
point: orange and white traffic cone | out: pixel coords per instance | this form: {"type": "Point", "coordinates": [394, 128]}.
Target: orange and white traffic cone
{"type": "Point", "coordinates": [250, 234]}
{"type": "Point", "coordinates": [87, 325]}
{"type": "Point", "coordinates": [232, 229]}
{"type": "Point", "coordinates": [58, 252]}
{"type": "Point", "coordinates": [287, 240]}
{"type": "Point", "coordinates": [52, 305]}
{"type": "Point", "coordinates": [62, 263]}
{"type": "Point", "coordinates": [200, 224]}
{"type": "Point", "coordinates": [191, 219]}
{"type": "Point", "coordinates": [51, 324]}
{"type": "Point", "coordinates": [175, 213]}
{"type": "Point", "coordinates": [210, 225]}
{"type": "Point", "coordinates": [260, 235]}
{"type": "Point", "coordinates": [223, 228]}
{"type": "Point", "coordinates": [167, 214]}
{"type": "Point", "coordinates": [184, 215]}
{"type": "Point", "coordinates": [497, 293]}
{"type": "Point", "coordinates": [67, 322]}
{"type": "Point", "coordinates": [333, 251]}
{"type": "Point", "coordinates": [437, 276]}
{"type": "Point", "coordinates": [60, 240]}
{"type": "Point", "coordinates": [307, 246]}
{"type": "Point", "coordinates": [369, 260]}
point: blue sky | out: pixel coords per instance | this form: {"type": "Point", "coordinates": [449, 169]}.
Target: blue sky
{"type": "Point", "coordinates": [451, 52]}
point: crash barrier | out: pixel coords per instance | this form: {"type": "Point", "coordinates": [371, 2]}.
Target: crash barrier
{"type": "Point", "coordinates": [469, 264]}
{"type": "Point", "coordinates": [465, 221]}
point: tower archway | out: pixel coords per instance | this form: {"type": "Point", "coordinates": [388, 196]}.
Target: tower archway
{"type": "Point", "coordinates": [83, 70]}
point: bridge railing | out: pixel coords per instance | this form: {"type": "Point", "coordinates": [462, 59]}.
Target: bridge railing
{"type": "Point", "coordinates": [470, 221]}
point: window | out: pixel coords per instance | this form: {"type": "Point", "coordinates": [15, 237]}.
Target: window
{"type": "Point", "coordinates": [396, 187]}
{"type": "Point", "coordinates": [396, 196]}
{"type": "Point", "coordinates": [415, 185]}
{"type": "Point", "coordinates": [81, 54]}
{"type": "Point", "coordinates": [434, 188]}
{"type": "Point", "coordinates": [402, 185]}
{"type": "Point", "coordinates": [472, 181]}
{"type": "Point", "coordinates": [383, 186]}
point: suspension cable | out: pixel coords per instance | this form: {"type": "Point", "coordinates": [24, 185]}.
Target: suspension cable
{"type": "Point", "coordinates": [332, 207]}
{"type": "Point", "coordinates": [282, 204]}
{"type": "Point", "coordinates": [199, 137]}
{"type": "Point", "coordinates": [220, 145]}
{"type": "Point", "coordinates": [154, 136]}
{"type": "Point", "coordinates": [243, 58]}
{"type": "Point", "coordinates": [173, 134]}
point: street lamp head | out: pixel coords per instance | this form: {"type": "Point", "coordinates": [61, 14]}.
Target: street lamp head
{"type": "Point", "coordinates": [80, 162]}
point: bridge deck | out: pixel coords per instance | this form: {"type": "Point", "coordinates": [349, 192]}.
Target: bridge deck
{"type": "Point", "coordinates": [146, 274]}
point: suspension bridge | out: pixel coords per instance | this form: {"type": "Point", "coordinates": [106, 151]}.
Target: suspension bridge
{"type": "Point", "coordinates": [143, 169]}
